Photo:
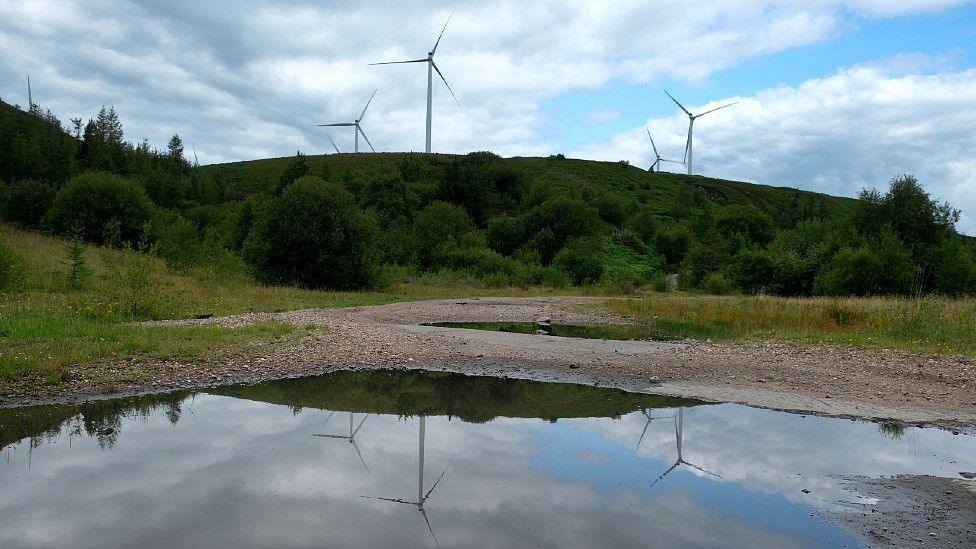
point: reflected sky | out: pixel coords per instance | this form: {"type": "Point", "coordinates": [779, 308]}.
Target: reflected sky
{"type": "Point", "coordinates": [209, 470]}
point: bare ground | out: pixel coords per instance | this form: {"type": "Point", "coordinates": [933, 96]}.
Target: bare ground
{"type": "Point", "coordinates": [825, 380]}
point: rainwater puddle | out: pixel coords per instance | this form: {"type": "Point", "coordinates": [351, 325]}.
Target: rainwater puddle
{"type": "Point", "coordinates": [401, 458]}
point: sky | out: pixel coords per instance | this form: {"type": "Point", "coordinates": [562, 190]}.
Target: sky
{"type": "Point", "coordinates": [834, 95]}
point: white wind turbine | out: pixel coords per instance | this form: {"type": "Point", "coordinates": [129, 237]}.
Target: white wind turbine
{"type": "Point", "coordinates": [431, 67]}
{"type": "Point", "coordinates": [656, 166]}
{"type": "Point", "coordinates": [689, 146]}
{"type": "Point", "coordinates": [422, 496]}
{"type": "Point", "coordinates": [352, 435]}
{"type": "Point", "coordinates": [356, 124]}
{"type": "Point", "coordinates": [678, 437]}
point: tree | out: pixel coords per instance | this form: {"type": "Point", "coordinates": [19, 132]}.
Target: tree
{"type": "Point", "coordinates": [175, 148]}
{"type": "Point", "coordinates": [105, 208]}
{"type": "Point", "coordinates": [582, 260]}
{"type": "Point", "coordinates": [26, 202]}
{"type": "Point", "coordinates": [313, 235]}
{"type": "Point", "coordinates": [296, 169]}
{"type": "Point", "coordinates": [438, 227]}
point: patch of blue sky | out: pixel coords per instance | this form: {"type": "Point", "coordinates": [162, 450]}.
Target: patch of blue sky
{"type": "Point", "coordinates": [935, 42]}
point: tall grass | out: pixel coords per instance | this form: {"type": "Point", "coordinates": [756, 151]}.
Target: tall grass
{"type": "Point", "coordinates": [928, 325]}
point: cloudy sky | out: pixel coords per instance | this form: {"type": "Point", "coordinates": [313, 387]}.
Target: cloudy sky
{"type": "Point", "coordinates": [834, 95]}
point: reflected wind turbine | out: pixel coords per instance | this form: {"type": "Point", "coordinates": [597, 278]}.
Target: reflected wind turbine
{"type": "Point", "coordinates": [431, 67]}
{"type": "Point", "coordinates": [352, 435]}
{"type": "Point", "coordinates": [356, 124]}
{"type": "Point", "coordinates": [646, 425]}
{"type": "Point", "coordinates": [678, 435]}
{"type": "Point", "coordinates": [421, 496]}
{"type": "Point", "coordinates": [656, 166]}
{"type": "Point", "coordinates": [689, 145]}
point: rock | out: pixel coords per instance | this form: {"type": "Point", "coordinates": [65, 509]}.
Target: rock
{"type": "Point", "coordinates": [574, 366]}
{"type": "Point", "coordinates": [543, 321]}
{"type": "Point", "coordinates": [967, 475]}
{"type": "Point", "coordinates": [805, 491]}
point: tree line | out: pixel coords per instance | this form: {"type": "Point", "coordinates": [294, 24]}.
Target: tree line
{"type": "Point", "coordinates": [476, 217]}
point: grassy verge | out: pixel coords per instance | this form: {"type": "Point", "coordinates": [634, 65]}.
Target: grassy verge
{"type": "Point", "coordinates": [48, 322]}
{"type": "Point", "coordinates": [927, 326]}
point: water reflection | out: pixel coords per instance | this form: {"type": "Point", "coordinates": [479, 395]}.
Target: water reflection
{"type": "Point", "coordinates": [527, 464]}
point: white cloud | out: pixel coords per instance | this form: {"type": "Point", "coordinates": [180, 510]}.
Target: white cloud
{"type": "Point", "coordinates": [251, 79]}
{"type": "Point", "coordinates": [857, 128]}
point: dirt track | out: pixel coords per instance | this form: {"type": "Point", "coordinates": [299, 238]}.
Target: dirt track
{"type": "Point", "coordinates": [824, 380]}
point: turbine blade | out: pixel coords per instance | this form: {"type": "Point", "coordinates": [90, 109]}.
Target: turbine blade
{"type": "Point", "coordinates": [652, 142]}
{"type": "Point", "coordinates": [332, 436]}
{"type": "Point", "coordinates": [354, 433]}
{"type": "Point", "coordinates": [438, 479]}
{"type": "Point", "coordinates": [336, 147]}
{"type": "Point", "coordinates": [360, 454]}
{"type": "Point", "coordinates": [716, 109]}
{"type": "Point", "coordinates": [446, 84]}
{"type": "Point", "coordinates": [673, 161]}
{"type": "Point", "coordinates": [688, 142]}
{"type": "Point", "coordinates": [328, 417]}
{"type": "Point", "coordinates": [664, 474]}
{"type": "Point", "coordinates": [429, 527]}
{"type": "Point", "coordinates": [438, 43]}
{"type": "Point", "coordinates": [367, 105]}
{"type": "Point", "coordinates": [646, 425]}
{"type": "Point", "coordinates": [374, 150]}
{"type": "Point", "coordinates": [678, 104]}
{"type": "Point", "coordinates": [692, 465]}
{"type": "Point", "coordinates": [391, 500]}
{"type": "Point", "coordinates": [398, 62]}
{"type": "Point", "coordinates": [342, 125]}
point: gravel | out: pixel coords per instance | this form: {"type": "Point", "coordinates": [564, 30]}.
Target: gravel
{"type": "Point", "coordinates": [838, 381]}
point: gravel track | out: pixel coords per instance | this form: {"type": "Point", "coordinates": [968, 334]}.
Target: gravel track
{"type": "Point", "coordinates": [836, 381]}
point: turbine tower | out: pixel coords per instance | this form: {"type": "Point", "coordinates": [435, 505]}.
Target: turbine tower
{"type": "Point", "coordinates": [356, 124]}
{"type": "Point", "coordinates": [656, 165]}
{"type": "Point", "coordinates": [30, 96]}
{"type": "Point", "coordinates": [689, 146]}
{"type": "Point", "coordinates": [431, 67]}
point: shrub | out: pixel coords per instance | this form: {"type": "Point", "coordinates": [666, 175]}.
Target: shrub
{"type": "Point", "coordinates": [611, 209]}
{"type": "Point", "coordinates": [25, 203]}
{"type": "Point", "coordinates": [439, 225]}
{"type": "Point", "coordinates": [644, 224]}
{"type": "Point", "coordinates": [505, 234]}
{"type": "Point", "coordinates": [673, 243]}
{"type": "Point", "coordinates": [105, 208]}
{"type": "Point", "coordinates": [717, 284]}
{"type": "Point", "coordinates": [176, 240]}
{"type": "Point", "coordinates": [954, 272]}
{"type": "Point", "coordinates": [752, 270]}
{"type": "Point", "coordinates": [581, 259]}
{"type": "Point", "coordinates": [746, 220]}
{"type": "Point", "coordinates": [560, 219]}
{"type": "Point", "coordinates": [883, 268]}
{"type": "Point", "coordinates": [313, 235]}
{"type": "Point", "coordinates": [132, 284]}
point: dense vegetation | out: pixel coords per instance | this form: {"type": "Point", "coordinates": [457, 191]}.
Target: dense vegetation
{"type": "Point", "coordinates": [364, 221]}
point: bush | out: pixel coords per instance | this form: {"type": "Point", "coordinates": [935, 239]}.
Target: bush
{"type": "Point", "coordinates": [313, 235]}
{"type": "Point", "coordinates": [717, 284]}
{"type": "Point", "coordinates": [438, 226]}
{"type": "Point", "coordinates": [748, 221]}
{"type": "Point", "coordinates": [954, 272]}
{"type": "Point", "coordinates": [559, 219]}
{"type": "Point", "coordinates": [505, 234]}
{"type": "Point", "coordinates": [581, 259]}
{"type": "Point", "coordinates": [105, 208]}
{"type": "Point", "coordinates": [25, 203]}
{"type": "Point", "coordinates": [176, 240]}
{"type": "Point", "coordinates": [752, 270]}
{"type": "Point", "coordinates": [611, 209]}
{"type": "Point", "coordinates": [882, 268]}
{"type": "Point", "coordinates": [644, 224]}
{"type": "Point", "coordinates": [673, 243]}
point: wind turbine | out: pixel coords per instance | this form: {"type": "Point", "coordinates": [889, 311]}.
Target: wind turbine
{"type": "Point", "coordinates": [657, 156]}
{"type": "Point", "coordinates": [431, 67]}
{"type": "Point", "coordinates": [691, 124]}
{"type": "Point", "coordinates": [356, 124]}
{"type": "Point", "coordinates": [196, 161]}
{"type": "Point", "coordinates": [422, 497]}
{"type": "Point", "coordinates": [646, 425]}
{"type": "Point", "coordinates": [678, 435]}
{"type": "Point", "coordinates": [352, 435]}
{"type": "Point", "coordinates": [30, 96]}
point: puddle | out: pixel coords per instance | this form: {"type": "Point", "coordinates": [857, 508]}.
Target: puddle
{"type": "Point", "coordinates": [617, 332]}
{"type": "Point", "coordinates": [397, 458]}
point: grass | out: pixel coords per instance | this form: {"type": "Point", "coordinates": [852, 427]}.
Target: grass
{"type": "Point", "coordinates": [46, 325]}
{"type": "Point", "coordinates": [932, 326]}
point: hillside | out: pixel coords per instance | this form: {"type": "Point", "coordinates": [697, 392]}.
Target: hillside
{"type": "Point", "coordinates": [659, 191]}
